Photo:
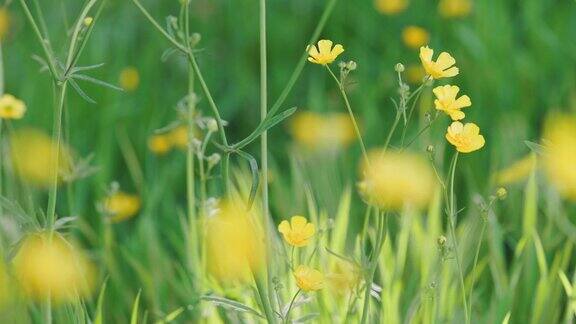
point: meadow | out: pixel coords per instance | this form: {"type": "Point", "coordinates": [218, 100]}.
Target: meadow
{"type": "Point", "coordinates": [254, 161]}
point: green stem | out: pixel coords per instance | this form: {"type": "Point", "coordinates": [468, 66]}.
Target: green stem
{"type": "Point", "coordinates": [190, 185]}
{"type": "Point", "coordinates": [451, 221]}
{"type": "Point", "coordinates": [287, 315]}
{"type": "Point", "coordinates": [476, 256]}
{"type": "Point", "coordinates": [350, 112]}
{"type": "Point", "coordinates": [392, 130]}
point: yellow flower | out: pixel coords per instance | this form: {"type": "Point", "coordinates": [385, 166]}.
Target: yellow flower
{"type": "Point", "coordinates": [179, 137]}
{"type": "Point", "coordinates": [447, 102]}
{"type": "Point", "coordinates": [308, 279]}
{"type": "Point", "coordinates": [394, 180]}
{"type": "Point", "coordinates": [4, 284]}
{"type": "Point", "coordinates": [344, 277]}
{"type": "Point", "coordinates": [11, 108]}
{"type": "Point", "coordinates": [415, 37]}
{"type": "Point", "coordinates": [442, 68]}
{"type": "Point", "coordinates": [324, 53]}
{"type": "Point", "coordinates": [47, 265]}
{"type": "Point", "coordinates": [454, 8]}
{"type": "Point", "coordinates": [297, 232]}
{"type": "Point", "coordinates": [519, 170]}
{"type": "Point", "coordinates": [129, 78]}
{"type": "Point", "coordinates": [121, 206]}
{"type": "Point", "coordinates": [316, 131]}
{"type": "Point", "coordinates": [33, 154]}
{"type": "Point", "coordinates": [465, 137]}
{"type": "Point", "coordinates": [160, 144]}
{"type": "Point", "coordinates": [559, 158]}
{"type": "Point", "coordinates": [415, 74]}
{"type": "Point", "coordinates": [5, 22]}
{"type": "Point", "coordinates": [234, 243]}
{"type": "Point", "coordinates": [390, 7]}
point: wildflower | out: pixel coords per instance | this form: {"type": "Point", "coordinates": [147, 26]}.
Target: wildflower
{"type": "Point", "coordinates": [177, 137]}
{"type": "Point", "coordinates": [559, 158]}
{"type": "Point", "coordinates": [501, 193]}
{"type": "Point", "coordinates": [324, 53]}
{"type": "Point", "coordinates": [316, 131]}
{"type": "Point", "coordinates": [129, 78]}
{"type": "Point", "coordinates": [121, 206]}
{"type": "Point", "coordinates": [308, 279]}
{"type": "Point", "coordinates": [159, 144]}
{"type": "Point", "coordinates": [391, 7]}
{"type": "Point", "coordinates": [447, 102]}
{"type": "Point", "coordinates": [415, 74]}
{"type": "Point", "coordinates": [465, 137]}
{"type": "Point", "coordinates": [442, 68]}
{"type": "Point", "coordinates": [47, 265]}
{"type": "Point", "coordinates": [454, 8]}
{"type": "Point", "coordinates": [517, 171]}
{"type": "Point", "coordinates": [415, 37]}
{"type": "Point", "coordinates": [344, 277]}
{"type": "Point", "coordinates": [394, 180]}
{"type": "Point", "coordinates": [33, 155]}
{"type": "Point", "coordinates": [297, 232]}
{"type": "Point", "coordinates": [5, 22]}
{"type": "Point", "coordinates": [11, 108]}
{"type": "Point", "coordinates": [234, 243]}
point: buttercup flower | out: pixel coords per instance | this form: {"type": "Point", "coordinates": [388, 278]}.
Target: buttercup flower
{"type": "Point", "coordinates": [298, 232]}
{"type": "Point", "coordinates": [447, 102]}
{"type": "Point", "coordinates": [11, 108]}
{"type": "Point", "coordinates": [121, 206]}
{"type": "Point", "coordinates": [129, 78]}
{"type": "Point", "coordinates": [324, 53]}
{"type": "Point", "coordinates": [391, 7]}
{"type": "Point", "coordinates": [316, 131]}
{"type": "Point", "coordinates": [234, 243]}
{"type": "Point", "coordinates": [454, 8]}
{"type": "Point", "coordinates": [517, 171]}
{"type": "Point", "coordinates": [415, 37]}
{"type": "Point", "coordinates": [465, 137]}
{"type": "Point", "coordinates": [442, 68]}
{"type": "Point", "coordinates": [344, 277]}
{"type": "Point", "coordinates": [159, 144]}
{"type": "Point", "coordinates": [308, 279]}
{"type": "Point", "coordinates": [50, 266]}
{"type": "Point", "coordinates": [415, 73]}
{"type": "Point", "coordinates": [559, 158]}
{"type": "Point", "coordinates": [179, 137]}
{"type": "Point", "coordinates": [394, 180]}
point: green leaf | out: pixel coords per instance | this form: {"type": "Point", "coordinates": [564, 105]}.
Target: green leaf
{"type": "Point", "coordinates": [231, 304]}
{"type": "Point", "coordinates": [265, 125]}
{"type": "Point", "coordinates": [95, 81]}
{"type": "Point", "coordinates": [255, 176]}
{"type": "Point", "coordinates": [99, 305]}
{"type": "Point", "coordinates": [134, 317]}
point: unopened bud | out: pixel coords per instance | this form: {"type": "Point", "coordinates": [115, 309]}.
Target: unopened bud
{"type": "Point", "coordinates": [212, 125]}
{"type": "Point", "coordinates": [195, 38]}
{"type": "Point", "coordinates": [442, 241]}
{"type": "Point", "coordinates": [430, 149]}
{"type": "Point", "coordinates": [88, 21]}
{"type": "Point", "coordinates": [213, 160]}
{"type": "Point", "coordinates": [352, 65]}
{"type": "Point", "coordinates": [399, 68]}
{"type": "Point", "coordinates": [501, 193]}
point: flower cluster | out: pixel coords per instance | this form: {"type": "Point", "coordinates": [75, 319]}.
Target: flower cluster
{"type": "Point", "coordinates": [466, 138]}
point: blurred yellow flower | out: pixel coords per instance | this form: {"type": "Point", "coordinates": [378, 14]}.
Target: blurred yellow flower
{"type": "Point", "coordinates": [4, 283]}
{"type": "Point", "coordinates": [5, 22]}
{"type": "Point", "coordinates": [391, 7]}
{"type": "Point", "coordinates": [11, 108]}
{"type": "Point", "coordinates": [308, 279]}
{"type": "Point", "coordinates": [33, 153]}
{"type": "Point", "coordinates": [344, 277]}
{"type": "Point", "coordinates": [121, 206]}
{"type": "Point", "coordinates": [559, 158]}
{"type": "Point", "coordinates": [160, 144]}
{"type": "Point", "coordinates": [234, 243]}
{"type": "Point", "coordinates": [454, 8]}
{"type": "Point", "coordinates": [519, 170]}
{"type": "Point", "coordinates": [129, 78]}
{"type": "Point", "coordinates": [442, 68]}
{"type": "Point", "coordinates": [415, 37]}
{"type": "Point", "coordinates": [317, 131]}
{"type": "Point", "coordinates": [394, 180]}
{"type": "Point", "coordinates": [465, 137]}
{"type": "Point", "coordinates": [447, 102]}
{"type": "Point", "coordinates": [324, 53]}
{"type": "Point", "coordinates": [179, 137]}
{"type": "Point", "coordinates": [298, 231]}
{"type": "Point", "coordinates": [48, 265]}
{"type": "Point", "coordinates": [415, 74]}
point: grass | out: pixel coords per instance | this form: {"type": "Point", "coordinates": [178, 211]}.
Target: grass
{"type": "Point", "coordinates": [467, 257]}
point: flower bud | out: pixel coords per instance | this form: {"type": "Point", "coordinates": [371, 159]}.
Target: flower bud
{"type": "Point", "coordinates": [399, 68]}
{"type": "Point", "coordinates": [88, 21]}
{"type": "Point", "coordinates": [442, 241]}
{"type": "Point", "coordinates": [352, 65]}
{"type": "Point", "coordinates": [212, 125]}
{"type": "Point", "coordinates": [213, 160]}
{"type": "Point", "coordinates": [501, 193]}
{"type": "Point", "coordinates": [430, 149]}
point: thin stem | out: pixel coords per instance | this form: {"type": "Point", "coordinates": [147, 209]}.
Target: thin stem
{"type": "Point", "coordinates": [392, 130]}
{"type": "Point", "coordinates": [418, 92]}
{"type": "Point", "coordinates": [350, 112]}
{"type": "Point", "coordinates": [476, 256]}
{"type": "Point", "coordinates": [1, 70]}
{"type": "Point", "coordinates": [287, 315]}
{"type": "Point", "coordinates": [451, 218]}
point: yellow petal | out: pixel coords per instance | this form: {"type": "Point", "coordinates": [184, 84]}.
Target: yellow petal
{"type": "Point", "coordinates": [462, 102]}
{"type": "Point", "coordinates": [325, 46]}
{"type": "Point", "coordinates": [337, 50]}
{"type": "Point", "coordinates": [453, 71]}
{"type": "Point", "coordinates": [445, 61]}
{"type": "Point", "coordinates": [456, 114]}
{"type": "Point", "coordinates": [298, 223]}
{"type": "Point", "coordinates": [426, 54]}
{"type": "Point", "coordinates": [284, 227]}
